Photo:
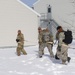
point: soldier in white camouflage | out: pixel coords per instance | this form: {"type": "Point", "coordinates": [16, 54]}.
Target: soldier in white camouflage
{"type": "Point", "coordinates": [20, 42]}
{"type": "Point", "coordinates": [40, 33]}
{"type": "Point", "coordinates": [62, 49]}
{"type": "Point", "coordinates": [57, 40]}
{"type": "Point", "coordinates": [47, 41]}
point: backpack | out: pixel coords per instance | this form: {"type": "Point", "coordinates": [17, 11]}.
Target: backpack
{"type": "Point", "coordinates": [46, 37]}
{"type": "Point", "coordinates": [68, 37]}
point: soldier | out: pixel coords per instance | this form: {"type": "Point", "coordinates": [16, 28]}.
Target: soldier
{"type": "Point", "coordinates": [62, 48]}
{"type": "Point", "coordinates": [57, 40]}
{"type": "Point", "coordinates": [47, 41]}
{"type": "Point", "coordinates": [40, 31]}
{"type": "Point", "coordinates": [20, 41]}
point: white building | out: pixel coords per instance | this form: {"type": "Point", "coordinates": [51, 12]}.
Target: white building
{"type": "Point", "coordinates": [46, 21]}
{"type": "Point", "coordinates": [15, 15]}
{"type": "Point", "coordinates": [63, 13]}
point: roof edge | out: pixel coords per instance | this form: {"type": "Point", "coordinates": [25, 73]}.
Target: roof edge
{"type": "Point", "coordinates": [36, 2]}
{"type": "Point", "coordinates": [29, 7]}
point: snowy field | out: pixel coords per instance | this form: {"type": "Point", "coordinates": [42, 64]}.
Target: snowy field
{"type": "Point", "coordinates": [11, 64]}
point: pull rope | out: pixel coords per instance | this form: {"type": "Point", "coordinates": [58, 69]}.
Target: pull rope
{"type": "Point", "coordinates": [30, 41]}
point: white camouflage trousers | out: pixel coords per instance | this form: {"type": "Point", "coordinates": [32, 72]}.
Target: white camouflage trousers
{"type": "Point", "coordinates": [63, 54]}
{"type": "Point", "coordinates": [42, 46]}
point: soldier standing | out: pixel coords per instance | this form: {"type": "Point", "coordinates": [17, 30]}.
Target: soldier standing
{"type": "Point", "coordinates": [57, 40]}
{"type": "Point", "coordinates": [47, 41]}
{"type": "Point", "coordinates": [20, 42]}
{"type": "Point", "coordinates": [62, 49]}
{"type": "Point", "coordinates": [40, 33]}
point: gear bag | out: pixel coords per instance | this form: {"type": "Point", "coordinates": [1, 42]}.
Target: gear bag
{"type": "Point", "coordinates": [68, 37]}
{"type": "Point", "coordinates": [46, 37]}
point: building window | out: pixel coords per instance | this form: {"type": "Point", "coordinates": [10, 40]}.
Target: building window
{"type": "Point", "coordinates": [49, 10]}
{"type": "Point", "coordinates": [49, 22]}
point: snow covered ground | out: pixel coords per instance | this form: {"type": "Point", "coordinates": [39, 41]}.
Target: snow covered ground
{"type": "Point", "coordinates": [11, 64]}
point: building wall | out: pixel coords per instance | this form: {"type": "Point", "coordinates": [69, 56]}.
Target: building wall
{"type": "Point", "coordinates": [15, 16]}
{"type": "Point", "coordinates": [41, 6]}
{"type": "Point", "coordinates": [63, 12]}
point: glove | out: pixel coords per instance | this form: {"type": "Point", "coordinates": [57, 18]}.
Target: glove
{"type": "Point", "coordinates": [59, 48]}
{"type": "Point", "coordinates": [17, 40]}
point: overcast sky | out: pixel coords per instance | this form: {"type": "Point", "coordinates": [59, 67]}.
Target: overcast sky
{"type": "Point", "coordinates": [29, 2]}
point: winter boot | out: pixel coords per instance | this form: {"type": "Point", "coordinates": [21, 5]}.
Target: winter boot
{"type": "Point", "coordinates": [40, 56]}
{"type": "Point", "coordinates": [68, 59]}
{"type": "Point", "coordinates": [56, 57]}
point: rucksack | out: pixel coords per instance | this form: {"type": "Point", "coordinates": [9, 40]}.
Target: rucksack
{"type": "Point", "coordinates": [46, 37]}
{"type": "Point", "coordinates": [68, 37]}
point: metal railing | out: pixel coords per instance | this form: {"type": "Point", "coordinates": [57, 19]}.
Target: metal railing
{"type": "Point", "coordinates": [43, 15]}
